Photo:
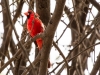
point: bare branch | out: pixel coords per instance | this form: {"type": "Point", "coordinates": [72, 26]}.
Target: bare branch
{"type": "Point", "coordinates": [18, 53]}
{"type": "Point", "coordinates": [95, 4]}
{"type": "Point", "coordinates": [62, 57]}
{"type": "Point", "coordinates": [96, 66]}
{"type": "Point", "coordinates": [49, 33]}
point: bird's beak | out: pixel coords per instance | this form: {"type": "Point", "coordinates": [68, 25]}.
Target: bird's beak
{"type": "Point", "coordinates": [26, 13]}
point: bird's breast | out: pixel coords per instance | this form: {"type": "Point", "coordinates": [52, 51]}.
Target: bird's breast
{"type": "Point", "coordinates": [34, 27]}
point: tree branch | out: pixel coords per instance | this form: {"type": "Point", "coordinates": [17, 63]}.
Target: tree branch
{"type": "Point", "coordinates": [19, 51]}
{"type": "Point", "coordinates": [96, 66]}
{"type": "Point", "coordinates": [62, 57]}
{"type": "Point", "coordinates": [12, 24]}
{"type": "Point", "coordinates": [95, 4]}
{"type": "Point", "coordinates": [49, 34]}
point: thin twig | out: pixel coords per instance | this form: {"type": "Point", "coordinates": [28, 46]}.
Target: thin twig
{"type": "Point", "coordinates": [19, 51]}
{"type": "Point", "coordinates": [55, 68]}
{"type": "Point", "coordinates": [34, 62]}
{"type": "Point", "coordinates": [63, 31]}
{"type": "Point", "coordinates": [12, 24]}
{"type": "Point", "coordinates": [95, 4]}
{"type": "Point", "coordinates": [62, 57]}
{"type": "Point", "coordinates": [83, 51]}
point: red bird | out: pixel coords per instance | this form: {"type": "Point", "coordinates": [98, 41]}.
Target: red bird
{"type": "Point", "coordinates": [35, 26]}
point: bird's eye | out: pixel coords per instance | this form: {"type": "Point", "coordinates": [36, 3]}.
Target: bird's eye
{"type": "Point", "coordinates": [29, 13]}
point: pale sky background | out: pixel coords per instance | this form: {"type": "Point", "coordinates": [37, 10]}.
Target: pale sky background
{"type": "Point", "coordinates": [63, 43]}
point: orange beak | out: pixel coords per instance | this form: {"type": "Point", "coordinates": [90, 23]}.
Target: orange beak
{"type": "Point", "coordinates": [26, 13]}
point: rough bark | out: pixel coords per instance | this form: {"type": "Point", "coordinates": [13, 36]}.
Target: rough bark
{"type": "Point", "coordinates": [49, 34]}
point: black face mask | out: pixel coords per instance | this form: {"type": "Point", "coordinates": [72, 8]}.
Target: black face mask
{"type": "Point", "coordinates": [28, 16]}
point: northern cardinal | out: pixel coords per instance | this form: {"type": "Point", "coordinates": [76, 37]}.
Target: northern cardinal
{"type": "Point", "coordinates": [35, 26]}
